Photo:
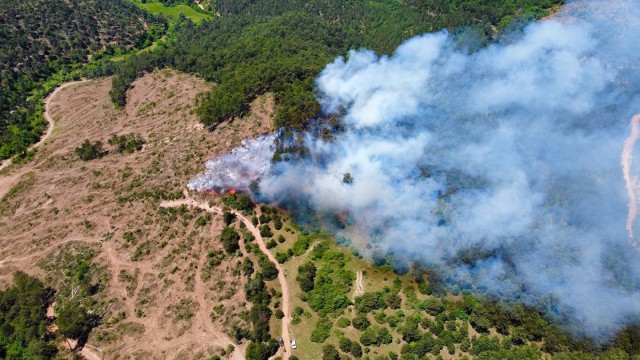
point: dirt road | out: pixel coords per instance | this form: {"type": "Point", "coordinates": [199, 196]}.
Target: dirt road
{"type": "Point", "coordinates": [9, 180]}
{"type": "Point", "coordinates": [263, 247]}
{"type": "Point", "coordinates": [359, 285]}
{"type": "Point", "coordinates": [198, 4]}
{"type": "Point", "coordinates": [47, 117]}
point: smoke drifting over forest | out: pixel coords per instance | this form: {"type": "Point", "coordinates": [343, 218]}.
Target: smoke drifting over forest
{"type": "Point", "coordinates": [508, 158]}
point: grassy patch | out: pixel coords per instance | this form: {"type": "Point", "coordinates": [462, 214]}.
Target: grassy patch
{"type": "Point", "coordinates": [173, 11]}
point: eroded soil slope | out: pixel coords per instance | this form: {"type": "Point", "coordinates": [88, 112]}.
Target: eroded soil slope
{"type": "Point", "coordinates": [163, 298]}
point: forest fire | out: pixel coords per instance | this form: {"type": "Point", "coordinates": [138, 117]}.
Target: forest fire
{"type": "Point", "coordinates": [233, 172]}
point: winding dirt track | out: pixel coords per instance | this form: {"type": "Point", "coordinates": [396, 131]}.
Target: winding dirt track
{"type": "Point", "coordinates": [359, 285]}
{"type": "Point", "coordinates": [8, 181]}
{"type": "Point", "coordinates": [263, 247]}
{"type": "Point", "coordinates": [47, 117]}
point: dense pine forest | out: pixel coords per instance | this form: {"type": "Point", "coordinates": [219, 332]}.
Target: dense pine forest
{"type": "Point", "coordinates": [39, 38]}
{"type": "Point", "coordinates": [280, 46]}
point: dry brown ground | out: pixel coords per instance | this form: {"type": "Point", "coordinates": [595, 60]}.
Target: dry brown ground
{"type": "Point", "coordinates": [158, 277]}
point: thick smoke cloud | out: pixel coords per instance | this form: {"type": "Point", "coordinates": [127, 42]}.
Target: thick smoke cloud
{"type": "Point", "coordinates": [509, 156]}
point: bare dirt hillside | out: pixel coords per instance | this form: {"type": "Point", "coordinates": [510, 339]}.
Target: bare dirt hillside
{"type": "Point", "coordinates": [163, 298]}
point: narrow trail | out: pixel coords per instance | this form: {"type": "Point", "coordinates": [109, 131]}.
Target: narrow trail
{"type": "Point", "coordinates": [359, 285]}
{"type": "Point", "coordinates": [203, 324]}
{"type": "Point", "coordinates": [286, 294]}
{"type": "Point", "coordinates": [631, 180]}
{"type": "Point", "coordinates": [91, 352]}
{"type": "Point", "coordinates": [8, 181]}
{"type": "Point", "coordinates": [47, 116]}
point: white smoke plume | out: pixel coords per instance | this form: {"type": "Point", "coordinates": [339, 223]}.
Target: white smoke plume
{"type": "Point", "coordinates": [237, 169]}
{"type": "Point", "coordinates": [512, 152]}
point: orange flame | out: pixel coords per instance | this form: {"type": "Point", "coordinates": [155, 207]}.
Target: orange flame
{"type": "Point", "coordinates": [232, 191]}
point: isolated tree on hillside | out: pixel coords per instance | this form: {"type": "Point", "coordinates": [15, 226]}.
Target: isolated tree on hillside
{"type": "Point", "coordinates": [73, 322]}
{"type": "Point", "coordinates": [88, 151]}
{"type": "Point", "coordinates": [230, 238]}
{"type": "Point", "coordinates": [265, 231]}
{"type": "Point", "coordinates": [306, 276]}
{"type": "Point", "coordinates": [228, 217]}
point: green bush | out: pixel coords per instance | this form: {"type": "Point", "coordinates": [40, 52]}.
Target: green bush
{"type": "Point", "coordinates": [361, 322]}
{"type": "Point", "coordinates": [282, 257]}
{"type": "Point", "coordinates": [279, 314]}
{"type": "Point", "coordinates": [269, 270]}
{"type": "Point", "coordinates": [343, 322]}
{"type": "Point", "coordinates": [301, 245]}
{"type": "Point", "coordinates": [375, 336]}
{"type": "Point", "coordinates": [89, 151]}
{"type": "Point", "coordinates": [126, 143]}
{"type": "Point", "coordinates": [306, 276]}
{"type": "Point", "coordinates": [329, 352]}
{"type": "Point", "coordinates": [369, 301]}
{"type": "Point", "coordinates": [322, 330]}
{"type": "Point", "coordinates": [230, 239]}
{"type": "Point", "coordinates": [265, 231]}
{"type": "Point", "coordinates": [237, 201]}
{"type": "Point", "coordinates": [73, 322]}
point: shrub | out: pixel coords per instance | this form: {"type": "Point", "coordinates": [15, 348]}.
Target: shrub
{"type": "Point", "coordinates": [240, 202]}
{"type": "Point", "coordinates": [381, 317]}
{"type": "Point", "coordinates": [269, 270]}
{"type": "Point", "coordinates": [344, 344]}
{"type": "Point", "coordinates": [265, 231]}
{"type": "Point", "coordinates": [230, 238]}
{"type": "Point", "coordinates": [434, 306]}
{"type": "Point", "coordinates": [370, 301]}
{"type": "Point", "coordinates": [356, 349]}
{"type": "Point", "coordinates": [361, 322]}
{"type": "Point", "coordinates": [247, 267]}
{"type": "Point", "coordinates": [301, 245]}
{"type": "Point", "coordinates": [215, 257]}
{"type": "Point", "coordinates": [279, 314]}
{"type": "Point", "coordinates": [306, 276]}
{"type": "Point", "coordinates": [376, 336]}
{"type": "Point", "coordinates": [126, 143]}
{"type": "Point", "coordinates": [485, 343]}
{"type": "Point", "coordinates": [264, 218]}
{"type": "Point", "coordinates": [228, 217]}
{"type": "Point", "coordinates": [329, 352]}
{"type": "Point", "coordinates": [88, 151]}
{"type": "Point", "coordinates": [277, 223]}
{"type": "Point", "coordinates": [321, 331]}
{"type": "Point", "coordinates": [343, 322]}
{"type": "Point", "coordinates": [282, 257]}
{"type": "Point", "coordinates": [394, 301]}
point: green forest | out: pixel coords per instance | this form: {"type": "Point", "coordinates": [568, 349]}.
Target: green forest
{"type": "Point", "coordinates": [406, 316]}
{"type": "Point", "coordinates": [40, 38]}
{"type": "Point", "coordinates": [281, 46]}
{"type": "Point", "coordinates": [251, 47]}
